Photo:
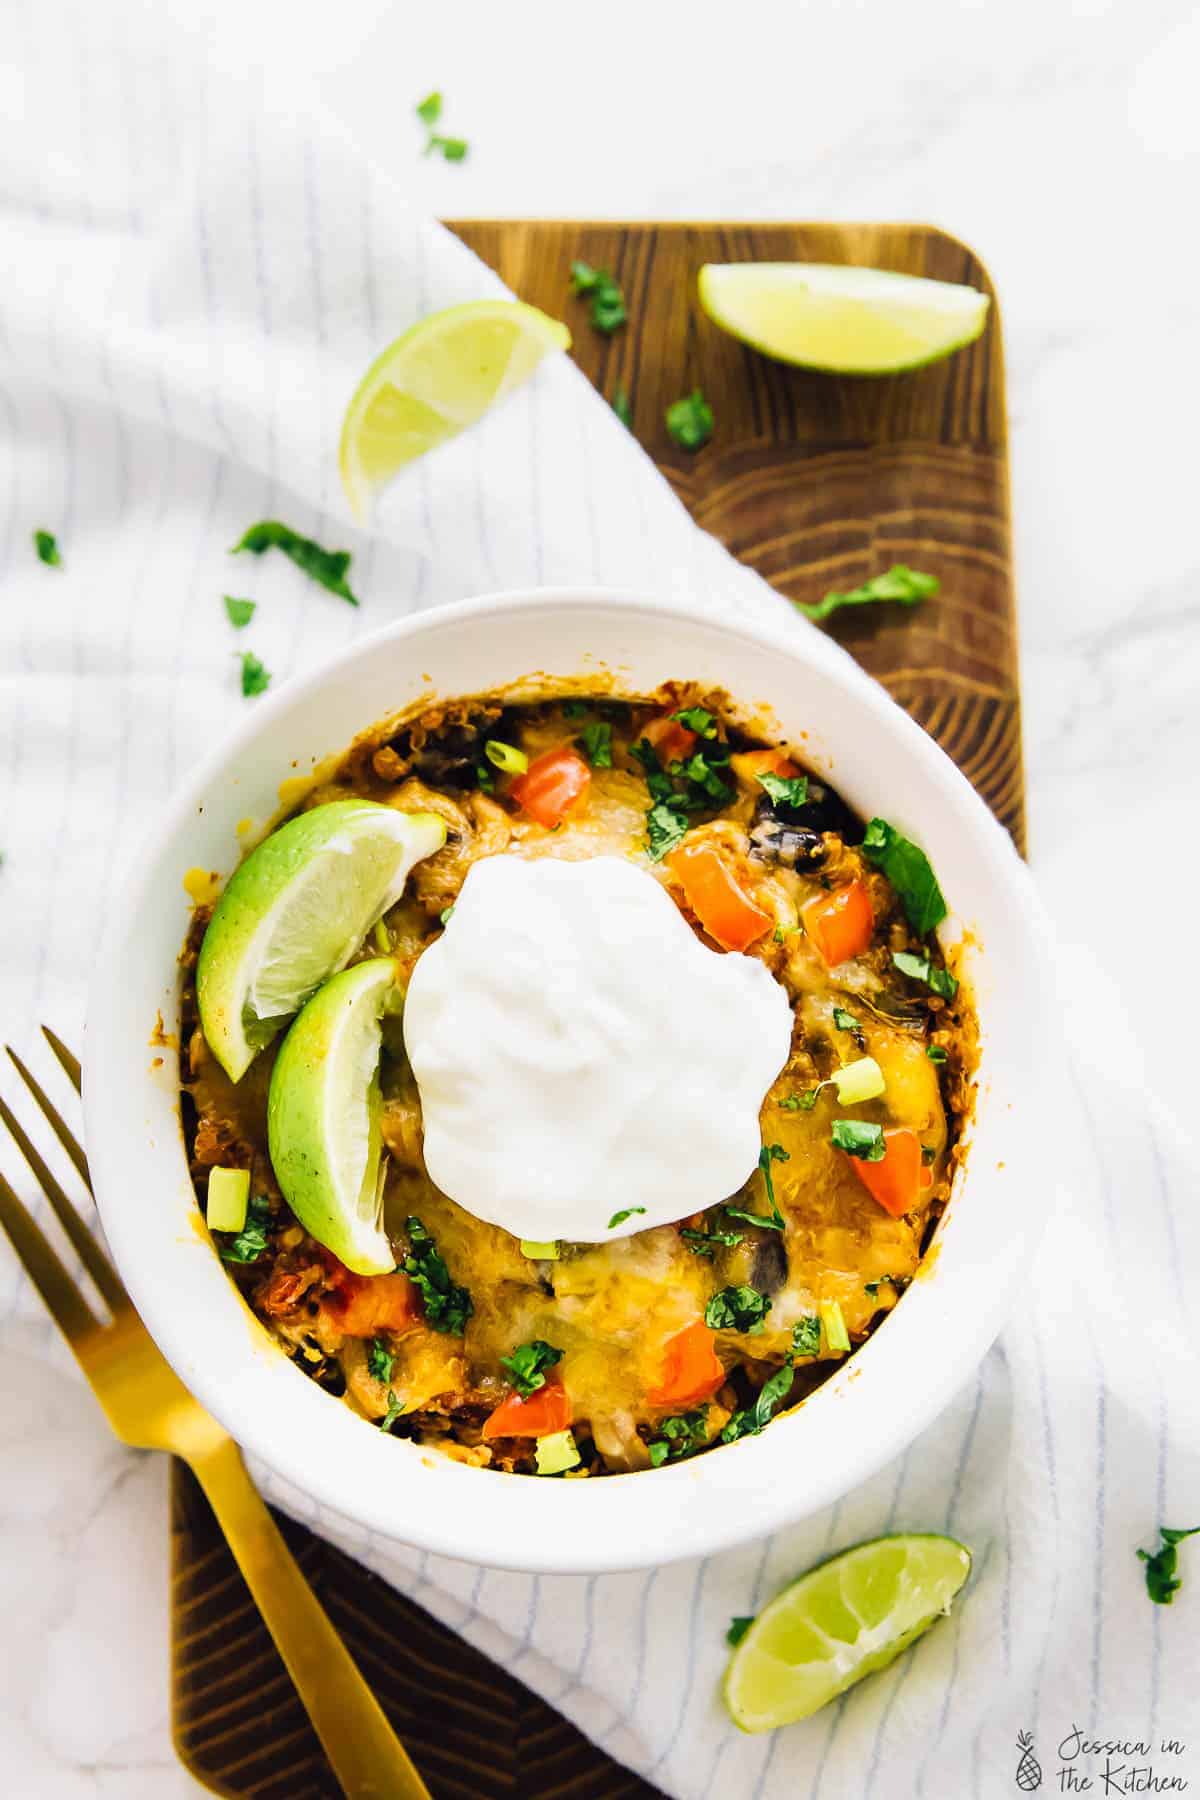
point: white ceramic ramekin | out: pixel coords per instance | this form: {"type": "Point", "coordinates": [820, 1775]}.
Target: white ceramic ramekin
{"type": "Point", "coordinates": [879, 1400]}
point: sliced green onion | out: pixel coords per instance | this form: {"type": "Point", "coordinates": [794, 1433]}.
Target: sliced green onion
{"type": "Point", "coordinates": [557, 1452]}
{"type": "Point", "coordinates": [228, 1199]}
{"type": "Point", "coordinates": [506, 757]}
{"type": "Point", "coordinates": [858, 1081]}
{"type": "Point", "coordinates": [539, 1252]}
{"type": "Point", "coordinates": [837, 1338]}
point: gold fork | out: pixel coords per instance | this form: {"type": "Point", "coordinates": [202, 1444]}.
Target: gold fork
{"type": "Point", "coordinates": [149, 1408]}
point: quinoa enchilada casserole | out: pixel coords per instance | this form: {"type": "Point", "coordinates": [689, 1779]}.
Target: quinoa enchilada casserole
{"type": "Point", "coordinates": [624, 1106]}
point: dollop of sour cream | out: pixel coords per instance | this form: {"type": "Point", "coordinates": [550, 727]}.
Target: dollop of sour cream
{"type": "Point", "coordinates": [579, 1052]}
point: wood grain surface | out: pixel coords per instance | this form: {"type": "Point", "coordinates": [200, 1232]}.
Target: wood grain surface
{"type": "Point", "coordinates": [816, 482]}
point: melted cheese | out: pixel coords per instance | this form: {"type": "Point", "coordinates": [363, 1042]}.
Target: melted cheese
{"type": "Point", "coordinates": [579, 1052]}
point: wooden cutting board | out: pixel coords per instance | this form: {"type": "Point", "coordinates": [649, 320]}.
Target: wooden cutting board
{"type": "Point", "coordinates": [817, 482]}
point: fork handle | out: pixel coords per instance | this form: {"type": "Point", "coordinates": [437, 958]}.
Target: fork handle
{"type": "Point", "coordinates": [367, 1757]}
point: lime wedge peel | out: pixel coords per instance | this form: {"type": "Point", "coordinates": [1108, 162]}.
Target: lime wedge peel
{"type": "Point", "coordinates": [295, 912]}
{"type": "Point", "coordinates": [841, 319]}
{"type": "Point", "coordinates": [845, 1619]}
{"type": "Point", "coordinates": [323, 1115]}
{"type": "Point", "coordinates": [437, 379]}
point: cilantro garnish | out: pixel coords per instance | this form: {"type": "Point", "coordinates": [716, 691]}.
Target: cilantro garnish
{"type": "Point", "coordinates": [774, 1220]}
{"type": "Point", "coordinates": [607, 302]}
{"type": "Point", "coordinates": [447, 1306]}
{"type": "Point", "coordinates": [528, 1363]}
{"type": "Point", "coordinates": [679, 1436]}
{"type": "Point", "coordinates": [622, 408]}
{"type": "Point", "coordinates": [429, 110]}
{"type": "Point", "coordinates": [703, 1243]}
{"type": "Point", "coordinates": [845, 1021]}
{"type": "Point", "coordinates": [806, 1336]}
{"type": "Point", "coordinates": [785, 790]}
{"type": "Point", "coordinates": [664, 829]}
{"type": "Point", "coordinates": [576, 709]}
{"type": "Point", "coordinates": [920, 968]}
{"type": "Point", "coordinates": [626, 1212]}
{"type": "Point", "coordinates": [394, 1409]}
{"type": "Point", "coordinates": [251, 1241]}
{"type": "Point", "coordinates": [596, 743]}
{"type": "Point", "coordinates": [907, 868]}
{"type": "Point", "coordinates": [46, 545]}
{"type": "Point", "coordinates": [699, 720]}
{"type": "Point", "coordinates": [379, 1360]}
{"type": "Point", "coordinates": [936, 1053]}
{"type": "Point", "coordinates": [328, 567]}
{"type": "Point", "coordinates": [452, 149]}
{"type": "Point", "coordinates": [256, 679]}
{"type": "Point", "coordinates": [803, 1102]}
{"type": "Point", "coordinates": [238, 612]}
{"type": "Point", "coordinates": [750, 1420]}
{"type": "Point", "coordinates": [1161, 1578]}
{"type": "Point", "coordinates": [737, 1309]}
{"type": "Point", "coordinates": [908, 586]}
{"type": "Point", "coordinates": [485, 776]}
{"type": "Point", "coordinates": [690, 421]}
{"type": "Point", "coordinates": [857, 1138]}
{"type": "Point", "coordinates": [738, 1627]}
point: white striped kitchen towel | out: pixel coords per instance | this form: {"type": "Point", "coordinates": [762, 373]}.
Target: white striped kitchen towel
{"type": "Point", "coordinates": [196, 274]}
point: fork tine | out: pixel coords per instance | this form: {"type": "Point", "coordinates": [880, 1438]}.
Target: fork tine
{"type": "Point", "coordinates": [70, 1062]}
{"type": "Point", "coordinates": [51, 1280]}
{"type": "Point", "coordinates": [56, 1124]}
{"type": "Point", "coordinates": [82, 1241]}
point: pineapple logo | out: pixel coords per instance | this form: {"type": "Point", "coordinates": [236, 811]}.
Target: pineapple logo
{"type": "Point", "coordinates": [1029, 1769]}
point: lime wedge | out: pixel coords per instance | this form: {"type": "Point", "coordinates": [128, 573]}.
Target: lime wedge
{"type": "Point", "coordinates": [845, 1619]}
{"type": "Point", "coordinates": [433, 382]}
{"type": "Point", "coordinates": [295, 912]}
{"type": "Point", "coordinates": [323, 1114]}
{"type": "Point", "coordinates": [845, 320]}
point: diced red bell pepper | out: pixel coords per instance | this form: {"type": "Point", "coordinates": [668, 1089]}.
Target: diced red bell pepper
{"type": "Point", "coordinates": [726, 913]}
{"type": "Point", "coordinates": [896, 1182]}
{"type": "Point", "coordinates": [692, 1370]}
{"type": "Point", "coordinates": [840, 924]}
{"type": "Point", "coordinates": [547, 1409]}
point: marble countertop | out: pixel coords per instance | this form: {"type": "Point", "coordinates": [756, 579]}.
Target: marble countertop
{"type": "Point", "coordinates": [1061, 139]}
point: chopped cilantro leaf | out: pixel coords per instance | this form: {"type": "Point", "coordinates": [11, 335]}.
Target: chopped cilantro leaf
{"type": "Point", "coordinates": [626, 1212]}
{"type": "Point", "coordinates": [908, 869]}
{"type": "Point", "coordinates": [328, 567]}
{"type": "Point", "coordinates": [485, 778]}
{"type": "Point", "coordinates": [394, 1409]}
{"type": "Point", "coordinates": [452, 149]}
{"type": "Point", "coordinates": [920, 968]}
{"type": "Point", "coordinates": [238, 612]}
{"type": "Point", "coordinates": [607, 302]}
{"type": "Point", "coordinates": [664, 829]}
{"type": "Point", "coordinates": [737, 1309]}
{"type": "Point", "coordinates": [936, 1053]}
{"type": "Point", "coordinates": [703, 1243]}
{"type": "Point", "coordinates": [379, 1360]}
{"type": "Point", "coordinates": [576, 709]}
{"type": "Point", "coordinates": [785, 790]}
{"type": "Point", "coordinates": [908, 586]}
{"type": "Point", "coordinates": [690, 421]}
{"type": "Point", "coordinates": [679, 1436]}
{"type": "Point", "coordinates": [857, 1138]}
{"type": "Point", "coordinates": [251, 1241]}
{"type": "Point", "coordinates": [256, 679]}
{"type": "Point", "coordinates": [596, 743]}
{"type": "Point", "coordinates": [806, 1336]}
{"type": "Point", "coordinates": [845, 1021]}
{"type": "Point", "coordinates": [622, 408]}
{"type": "Point", "coordinates": [699, 720]}
{"type": "Point", "coordinates": [803, 1102]}
{"type": "Point", "coordinates": [46, 545]}
{"type": "Point", "coordinates": [1162, 1581]}
{"type": "Point", "coordinates": [447, 1306]}
{"type": "Point", "coordinates": [429, 110]}
{"type": "Point", "coordinates": [750, 1420]}
{"type": "Point", "coordinates": [738, 1627]}
{"type": "Point", "coordinates": [528, 1363]}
